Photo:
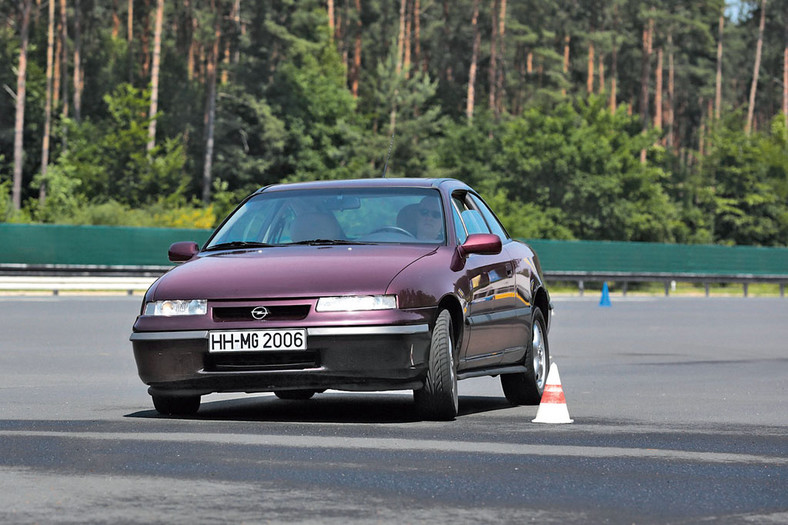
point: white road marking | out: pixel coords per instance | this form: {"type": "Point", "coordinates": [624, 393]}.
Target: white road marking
{"type": "Point", "coordinates": [512, 449]}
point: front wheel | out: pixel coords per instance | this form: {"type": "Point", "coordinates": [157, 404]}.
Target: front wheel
{"type": "Point", "coordinates": [526, 388]}
{"type": "Point", "coordinates": [438, 398]}
{"type": "Point", "coordinates": [176, 405]}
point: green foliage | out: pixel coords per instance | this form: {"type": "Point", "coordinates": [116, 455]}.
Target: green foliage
{"type": "Point", "coordinates": [552, 160]}
{"type": "Point", "coordinates": [748, 176]}
{"type": "Point", "coordinates": [584, 160]}
{"type": "Point", "coordinates": [319, 113]}
{"type": "Point", "coordinates": [109, 157]}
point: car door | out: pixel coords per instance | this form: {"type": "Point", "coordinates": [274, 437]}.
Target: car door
{"type": "Point", "coordinates": [491, 304]}
{"type": "Point", "coordinates": [518, 329]}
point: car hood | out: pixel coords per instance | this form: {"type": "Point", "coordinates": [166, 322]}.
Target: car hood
{"type": "Point", "coordinates": [288, 272]}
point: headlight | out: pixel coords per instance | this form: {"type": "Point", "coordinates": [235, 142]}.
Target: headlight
{"type": "Point", "coordinates": [354, 303]}
{"type": "Point", "coordinates": [170, 308]}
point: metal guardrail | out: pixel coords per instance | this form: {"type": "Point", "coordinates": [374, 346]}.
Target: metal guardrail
{"type": "Point", "coordinates": [62, 277]}
{"type": "Point", "coordinates": [668, 278]}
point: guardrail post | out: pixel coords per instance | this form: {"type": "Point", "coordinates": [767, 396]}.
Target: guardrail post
{"type": "Point", "coordinates": [746, 286]}
{"type": "Point", "coordinates": [624, 289]}
{"type": "Point", "coordinates": [667, 288]}
{"type": "Point", "coordinates": [580, 287]}
{"type": "Point", "coordinates": [782, 290]}
{"type": "Point", "coordinates": [706, 286]}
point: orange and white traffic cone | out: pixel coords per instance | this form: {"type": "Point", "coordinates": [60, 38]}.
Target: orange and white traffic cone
{"type": "Point", "coordinates": [552, 408]}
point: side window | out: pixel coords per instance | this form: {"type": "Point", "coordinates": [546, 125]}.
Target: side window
{"type": "Point", "coordinates": [459, 229]}
{"type": "Point", "coordinates": [492, 221]}
{"type": "Point", "coordinates": [471, 220]}
{"type": "Point", "coordinates": [474, 222]}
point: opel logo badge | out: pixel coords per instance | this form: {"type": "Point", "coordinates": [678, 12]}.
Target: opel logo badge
{"type": "Point", "coordinates": [260, 313]}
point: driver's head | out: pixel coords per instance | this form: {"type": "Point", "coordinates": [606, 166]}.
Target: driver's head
{"type": "Point", "coordinates": [430, 219]}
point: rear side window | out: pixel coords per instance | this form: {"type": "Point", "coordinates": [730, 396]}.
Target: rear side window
{"type": "Point", "coordinates": [492, 221]}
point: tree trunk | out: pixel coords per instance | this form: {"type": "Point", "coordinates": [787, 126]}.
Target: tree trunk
{"type": "Point", "coordinates": [602, 81]}
{"type": "Point", "coordinates": [646, 71]}
{"type": "Point", "coordinates": [193, 43]}
{"type": "Point", "coordinates": [500, 83]}
{"type": "Point", "coordinates": [567, 41]}
{"type": "Point", "coordinates": [718, 83]}
{"type": "Point", "coordinates": [356, 71]}
{"type": "Point", "coordinates": [78, 74]}
{"type": "Point", "coordinates": [492, 73]}
{"type": "Point", "coordinates": [21, 90]}
{"type": "Point", "coordinates": [614, 63]}
{"type": "Point", "coordinates": [235, 16]}
{"type": "Point", "coordinates": [400, 36]}
{"type": "Point", "coordinates": [702, 131]}
{"type": "Point", "coordinates": [658, 92]}
{"type": "Point", "coordinates": [56, 67]}
{"type": "Point", "coordinates": [64, 62]}
{"type": "Point", "coordinates": [407, 41]}
{"type": "Point", "coordinates": [210, 103]}
{"type": "Point", "coordinates": [417, 35]}
{"type": "Point", "coordinates": [130, 38]}
{"type": "Point", "coordinates": [115, 20]}
{"type": "Point", "coordinates": [474, 57]}
{"type": "Point", "coordinates": [42, 190]}
{"type": "Point", "coordinates": [756, 68]}
{"type": "Point", "coordinates": [590, 77]}
{"type": "Point", "coordinates": [448, 71]}
{"type": "Point", "coordinates": [785, 76]}
{"type": "Point", "coordinates": [130, 22]}
{"type": "Point", "coordinates": [340, 24]}
{"type": "Point", "coordinates": [671, 114]}
{"type": "Point", "coordinates": [154, 82]}
{"type": "Point", "coordinates": [330, 8]}
{"type": "Point", "coordinates": [398, 67]}
{"type": "Point", "coordinates": [145, 41]}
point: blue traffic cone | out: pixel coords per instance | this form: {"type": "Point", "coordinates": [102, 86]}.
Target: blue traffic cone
{"type": "Point", "coordinates": [605, 300]}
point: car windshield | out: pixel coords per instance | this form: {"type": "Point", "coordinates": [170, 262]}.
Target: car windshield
{"type": "Point", "coordinates": [335, 216]}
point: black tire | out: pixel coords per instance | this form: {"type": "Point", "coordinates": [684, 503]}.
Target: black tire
{"type": "Point", "coordinates": [438, 399]}
{"type": "Point", "coordinates": [298, 395]}
{"type": "Point", "coordinates": [176, 405]}
{"type": "Point", "coordinates": [526, 388]}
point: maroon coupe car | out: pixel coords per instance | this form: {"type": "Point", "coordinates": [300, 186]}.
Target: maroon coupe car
{"type": "Point", "coordinates": [374, 284]}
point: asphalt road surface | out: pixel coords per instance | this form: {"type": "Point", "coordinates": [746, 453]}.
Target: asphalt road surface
{"type": "Point", "coordinates": [680, 409]}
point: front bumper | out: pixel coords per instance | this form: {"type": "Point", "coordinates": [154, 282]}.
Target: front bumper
{"type": "Point", "coordinates": [362, 358]}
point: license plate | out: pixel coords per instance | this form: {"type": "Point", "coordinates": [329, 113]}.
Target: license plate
{"type": "Point", "coordinates": [256, 340]}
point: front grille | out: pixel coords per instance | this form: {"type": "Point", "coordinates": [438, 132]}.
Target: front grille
{"type": "Point", "coordinates": [275, 313]}
{"type": "Point", "coordinates": [261, 361]}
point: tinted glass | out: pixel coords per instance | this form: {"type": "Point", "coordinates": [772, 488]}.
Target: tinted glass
{"type": "Point", "coordinates": [489, 216]}
{"type": "Point", "coordinates": [380, 215]}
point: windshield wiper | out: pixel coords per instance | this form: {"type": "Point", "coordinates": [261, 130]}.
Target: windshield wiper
{"type": "Point", "coordinates": [326, 242]}
{"type": "Point", "coordinates": [237, 244]}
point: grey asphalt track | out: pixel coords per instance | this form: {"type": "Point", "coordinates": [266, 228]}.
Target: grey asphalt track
{"type": "Point", "coordinates": [680, 409]}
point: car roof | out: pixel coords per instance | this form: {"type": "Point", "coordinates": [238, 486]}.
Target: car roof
{"type": "Point", "coordinates": [363, 183]}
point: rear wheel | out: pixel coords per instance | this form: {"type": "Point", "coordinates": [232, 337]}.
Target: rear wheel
{"type": "Point", "coordinates": [438, 398]}
{"type": "Point", "coordinates": [526, 388]}
{"type": "Point", "coordinates": [176, 405]}
{"type": "Point", "coordinates": [301, 395]}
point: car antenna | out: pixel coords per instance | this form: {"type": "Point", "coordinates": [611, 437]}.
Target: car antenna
{"type": "Point", "coordinates": [391, 145]}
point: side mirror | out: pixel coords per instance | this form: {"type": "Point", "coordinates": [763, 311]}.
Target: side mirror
{"type": "Point", "coordinates": [183, 251]}
{"type": "Point", "coordinates": [481, 243]}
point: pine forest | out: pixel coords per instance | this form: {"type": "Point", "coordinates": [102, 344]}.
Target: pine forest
{"type": "Point", "coordinates": [575, 119]}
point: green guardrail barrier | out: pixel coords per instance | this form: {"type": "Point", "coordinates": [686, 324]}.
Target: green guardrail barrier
{"type": "Point", "coordinates": [46, 244]}
{"type": "Point", "coordinates": [653, 258]}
